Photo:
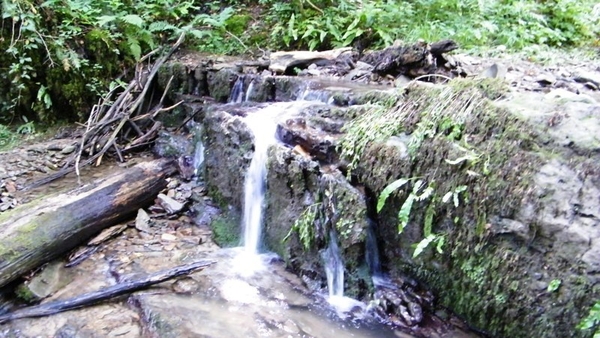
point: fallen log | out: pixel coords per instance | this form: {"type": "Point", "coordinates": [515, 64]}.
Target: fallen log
{"type": "Point", "coordinates": [413, 60]}
{"type": "Point", "coordinates": [35, 233]}
{"type": "Point", "coordinates": [104, 294]}
{"type": "Point", "coordinates": [282, 62]}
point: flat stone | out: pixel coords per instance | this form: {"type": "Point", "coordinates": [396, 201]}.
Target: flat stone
{"type": "Point", "coordinates": [68, 149]}
{"type": "Point", "coordinates": [495, 71]}
{"type": "Point", "coordinates": [52, 278]}
{"type": "Point", "coordinates": [170, 205]}
{"type": "Point", "coordinates": [545, 79]}
{"type": "Point", "coordinates": [142, 221]}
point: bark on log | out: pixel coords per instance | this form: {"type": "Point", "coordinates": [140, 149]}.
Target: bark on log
{"type": "Point", "coordinates": [44, 229]}
{"type": "Point", "coordinates": [282, 61]}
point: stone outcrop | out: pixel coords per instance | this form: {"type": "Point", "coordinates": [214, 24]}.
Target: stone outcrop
{"type": "Point", "coordinates": [515, 195]}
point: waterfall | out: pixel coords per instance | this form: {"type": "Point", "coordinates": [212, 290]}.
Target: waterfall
{"type": "Point", "coordinates": [198, 157]}
{"type": "Point", "coordinates": [249, 91]}
{"type": "Point", "coordinates": [254, 195]}
{"type": "Point", "coordinates": [334, 267]}
{"type": "Point", "coordinates": [237, 92]}
{"type": "Point", "coordinates": [372, 258]}
{"type": "Point", "coordinates": [372, 251]}
{"type": "Point", "coordinates": [263, 124]}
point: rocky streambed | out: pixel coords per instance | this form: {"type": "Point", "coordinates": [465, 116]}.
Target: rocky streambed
{"type": "Point", "coordinates": [507, 204]}
{"type": "Point", "coordinates": [501, 173]}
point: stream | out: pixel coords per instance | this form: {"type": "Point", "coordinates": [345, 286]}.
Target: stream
{"type": "Point", "coordinates": [247, 293]}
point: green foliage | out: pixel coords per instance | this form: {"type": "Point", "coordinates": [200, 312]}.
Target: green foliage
{"type": "Point", "coordinates": [325, 24]}
{"type": "Point", "coordinates": [7, 137]}
{"type": "Point", "coordinates": [60, 55]}
{"type": "Point", "coordinates": [405, 212]}
{"type": "Point", "coordinates": [554, 285]}
{"type": "Point", "coordinates": [592, 321]}
{"type": "Point", "coordinates": [385, 193]}
{"type": "Point", "coordinates": [304, 226]}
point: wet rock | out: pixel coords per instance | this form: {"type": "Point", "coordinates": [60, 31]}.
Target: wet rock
{"type": "Point", "coordinates": [142, 221]}
{"type": "Point", "coordinates": [170, 205]}
{"type": "Point", "coordinates": [52, 278]}
{"type": "Point", "coordinates": [495, 71]}
{"type": "Point", "coordinates": [412, 60]}
{"type": "Point", "coordinates": [545, 79]}
{"type": "Point", "coordinates": [68, 149]}
{"type": "Point", "coordinates": [584, 77]}
{"type": "Point", "coordinates": [321, 146]}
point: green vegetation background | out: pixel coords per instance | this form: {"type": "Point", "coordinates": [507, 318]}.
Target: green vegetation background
{"type": "Point", "coordinates": [60, 56]}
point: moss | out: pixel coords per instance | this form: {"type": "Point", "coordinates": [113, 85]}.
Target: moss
{"type": "Point", "coordinates": [237, 24]}
{"type": "Point", "coordinates": [24, 293]}
{"type": "Point", "coordinates": [162, 327]}
{"type": "Point", "coordinates": [459, 137]}
{"type": "Point", "coordinates": [226, 230]}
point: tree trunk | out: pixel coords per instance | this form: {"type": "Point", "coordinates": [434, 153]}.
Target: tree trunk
{"type": "Point", "coordinates": [46, 228]}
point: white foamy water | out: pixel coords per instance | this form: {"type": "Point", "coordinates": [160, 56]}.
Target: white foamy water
{"type": "Point", "coordinates": [237, 92]}
{"type": "Point", "coordinates": [198, 157]}
{"type": "Point", "coordinates": [249, 91]}
{"type": "Point", "coordinates": [334, 267]}
{"type": "Point", "coordinates": [263, 124]}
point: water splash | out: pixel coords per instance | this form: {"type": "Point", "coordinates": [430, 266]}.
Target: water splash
{"type": "Point", "coordinates": [237, 92]}
{"type": "Point", "coordinates": [334, 269]}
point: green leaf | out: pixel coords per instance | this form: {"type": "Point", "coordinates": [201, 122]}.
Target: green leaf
{"type": "Point", "coordinates": [554, 285]}
{"type": "Point", "coordinates": [423, 244]}
{"type": "Point", "coordinates": [103, 20]}
{"type": "Point", "coordinates": [428, 222]}
{"type": "Point", "coordinates": [133, 19]}
{"type": "Point", "coordinates": [404, 213]}
{"type": "Point", "coordinates": [388, 190]}
{"type": "Point", "coordinates": [135, 49]}
{"type": "Point", "coordinates": [458, 160]}
{"type": "Point", "coordinates": [440, 242]}
{"type": "Point", "coordinates": [161, 26]}
{"type": "Point", "coordinates": [447, 197]}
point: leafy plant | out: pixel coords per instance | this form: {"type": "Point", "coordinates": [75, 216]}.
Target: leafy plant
{"type": "Point", "coordinates": [454, 195]}
{"type": "Point", "coordinates": [60, 55]}
{"type": "Point", "coordinates": [304, 226]}
{"type": "Point", "coordinates": [432, 238]}
{"type": "Point", "coordinates": [554, 285]}
{"type": "Point", "coordinates": [592, 321]}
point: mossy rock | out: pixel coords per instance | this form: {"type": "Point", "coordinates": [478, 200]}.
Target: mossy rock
{"type": "Point", "coordinates": [226, 230]}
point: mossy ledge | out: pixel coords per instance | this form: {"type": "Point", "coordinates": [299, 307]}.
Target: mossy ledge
{"type": "Point", "coordinates": [499, 256]}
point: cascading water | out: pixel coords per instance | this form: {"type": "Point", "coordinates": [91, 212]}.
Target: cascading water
{"type": "Point", "coordinates": [198, 157]}
{"type": "Point", "coordinates": [237, 92]}
{"type": "Point", "coordinates": [316, 95]}
{"type": "Point", "coordinates": [334, 270]}
{"type": "Point", "coordinates": [249, 91]}
{"type": "Point", "coordinates": [372, 251]}
{"type": "Point", "coordinates": [263, 128]}
{"type": "Point", "coordinates": [263, 124]}
{"type": "Point", "coordinates": [372, 258]}
{"type": "Point", "coordinates": [334, 267]}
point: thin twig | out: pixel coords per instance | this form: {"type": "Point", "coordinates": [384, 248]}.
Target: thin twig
{"type": "Point", "coordinates": [95, 297]}
{"type": "Point", "coordinates": [238, 40]}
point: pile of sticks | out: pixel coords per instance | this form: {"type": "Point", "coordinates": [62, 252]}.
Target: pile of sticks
{"type": "Point", "coordinates": [123, 124]}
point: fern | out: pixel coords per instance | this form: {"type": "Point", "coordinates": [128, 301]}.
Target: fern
{"type": "Point", "coordinates": [388, 190]}
{"type": "Point", "coordinates": [423, 244]}
{"type": "Point", "coordinates": [162, 26]}
{"type": "Point", "coordinates": [133, 19]}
